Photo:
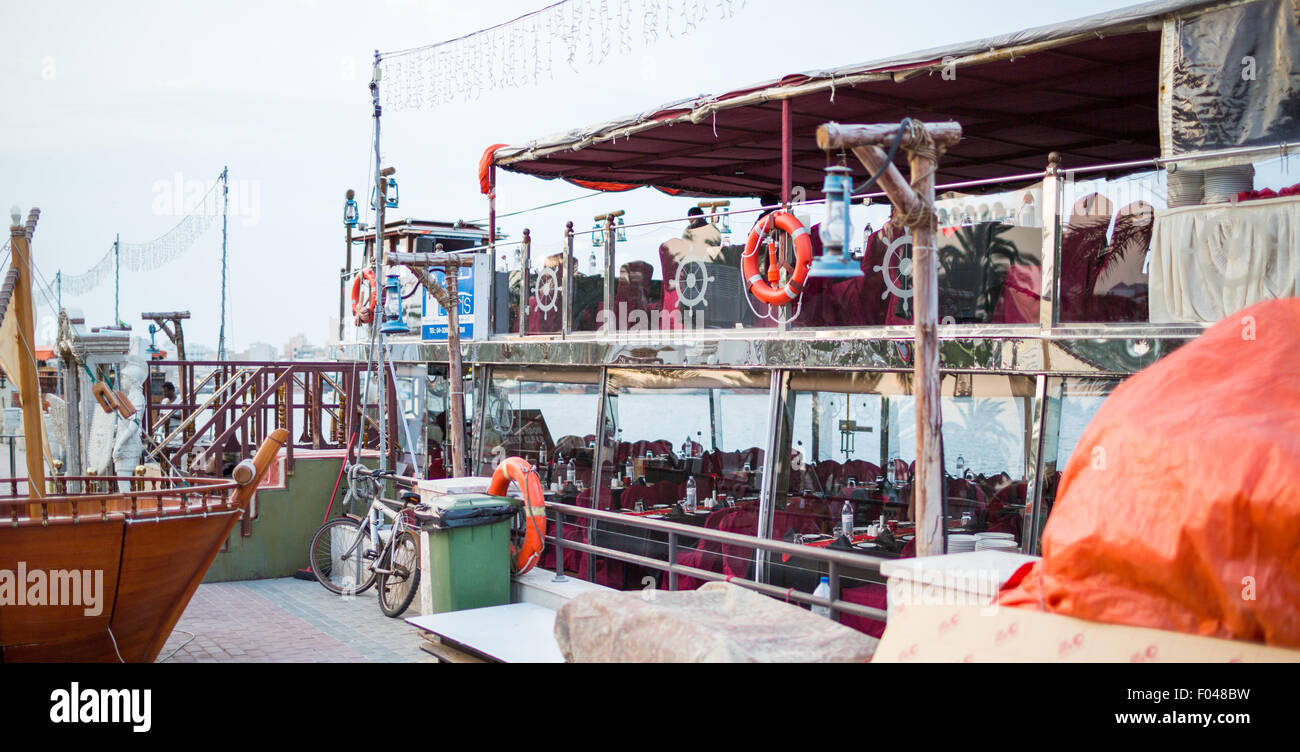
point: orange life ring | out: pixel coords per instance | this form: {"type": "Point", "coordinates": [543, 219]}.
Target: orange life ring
{"type": "Point", "coordinates": [770, 291]}
{"type": "Point", "coordinates": [517, 469]}
{"type": "Point", "coordinates": [364, 308]}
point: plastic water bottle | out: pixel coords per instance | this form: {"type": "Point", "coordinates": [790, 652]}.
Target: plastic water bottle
{"type": "Point", "coordinates": [846, 519]}
{"type": "Point", "coordinates": [690, 494]}
{"type": "Point", "coordinates": [686, 447]}
{"type": "Point", "coordinates": [629, 471]}
{"type": "Point", "coordinates": [823, 591]}
{"type": "Point", "coordinates": [571, 474]}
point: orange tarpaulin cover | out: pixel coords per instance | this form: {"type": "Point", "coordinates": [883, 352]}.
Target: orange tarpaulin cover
{"type": "Point", "coordinates": [1180, 507]}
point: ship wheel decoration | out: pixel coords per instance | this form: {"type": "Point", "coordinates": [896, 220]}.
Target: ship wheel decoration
{"type": "Point", "coordinates": [896, 268]}
{"type": "Point", "coordinates": [547, 289]}
{"type": "Point", "coordinates": [693, 280]}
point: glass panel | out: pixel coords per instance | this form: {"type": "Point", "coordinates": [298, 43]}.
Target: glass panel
{"type": "Point", "coordinates": [1189, 245]}
{"type": "Point", "coordinates": [1230, 239]}
{"type": "Point", "coordinates": [547, 422]}
{"type": "Point", "coordinates": [1068, 417]}
{"type": "Point", "coordinates": [853, 442]}
{"type": "Point", "coordinates": [687, 449]}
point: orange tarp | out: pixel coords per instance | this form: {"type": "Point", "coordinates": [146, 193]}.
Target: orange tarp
{"type": "Point", "coordinates": [1180, 507]}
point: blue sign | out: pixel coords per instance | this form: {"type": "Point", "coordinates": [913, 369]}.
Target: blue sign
{"type": "Point", "coordinates": [434, 318]}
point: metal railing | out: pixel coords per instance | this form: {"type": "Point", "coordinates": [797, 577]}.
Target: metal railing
{"type": "Point", "coordinates": [835, 560]}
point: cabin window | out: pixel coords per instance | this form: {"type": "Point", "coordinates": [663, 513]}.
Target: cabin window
{"type": "Point", "coordinates": [546, 416]}
{"type": "Point", "coordinates": [1071, 405]}
{"type": "Point", "coordinates": [853, 438]}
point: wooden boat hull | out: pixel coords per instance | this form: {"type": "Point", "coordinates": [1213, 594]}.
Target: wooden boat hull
{"type": "Point", "coordinates": [150, 570]}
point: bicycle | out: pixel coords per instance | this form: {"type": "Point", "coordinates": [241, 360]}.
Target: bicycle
{"type": "Point", "coordinates": [349, 554]}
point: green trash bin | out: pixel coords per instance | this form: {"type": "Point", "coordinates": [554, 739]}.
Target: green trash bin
{"type": "Point", "coordinates": [469, 550]}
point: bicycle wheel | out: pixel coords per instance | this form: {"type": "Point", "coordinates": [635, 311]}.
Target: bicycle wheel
{"type": "Point", "coordinates": [339, 560]}
{"type": "Point", "coordinates": [397, 590]}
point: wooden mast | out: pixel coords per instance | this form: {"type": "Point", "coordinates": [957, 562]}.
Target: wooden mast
{"type": "Point", "coordinates": [28, 383]}
{"type": "Point", "coordinates": [914, 204]}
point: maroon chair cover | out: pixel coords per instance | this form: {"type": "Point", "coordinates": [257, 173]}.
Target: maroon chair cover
{"type": "Point", "coordinates": [860, 470]}
{"type": "Point", "coordinates": [1120, 294]}
{"type": "Point", "coordinates": [1020, 295]}
{"type": "Point", "coordinates": [637, 492]}
{"type": "Point", "coordinates": [871, 594]}
{"type": "Point", "coordinates": [574, 561]}
{"type": "Point", "coordinates": [1083, 243]}
{"type": "Point", "coordinates": [666, 492]}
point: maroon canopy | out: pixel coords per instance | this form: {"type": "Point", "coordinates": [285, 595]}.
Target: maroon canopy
{"type": "Point", "coordinates": [1087, 89]}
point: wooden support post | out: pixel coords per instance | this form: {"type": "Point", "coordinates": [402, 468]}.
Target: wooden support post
{"type": "Point", "coordinates": [455, 379]}
{"type": "Point", "coordinates": [914, 202]}
{"type": "Point", "coordinates": [33, 426]}
{"type": "Point", "coordinates": [610, 292]}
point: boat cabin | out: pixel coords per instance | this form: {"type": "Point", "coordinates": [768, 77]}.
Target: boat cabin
{"type": "Point", "coordinates": [1107, 202]}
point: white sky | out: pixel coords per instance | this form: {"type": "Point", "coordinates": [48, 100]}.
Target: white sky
{"type": "Point", "coordinates": [104, 100]}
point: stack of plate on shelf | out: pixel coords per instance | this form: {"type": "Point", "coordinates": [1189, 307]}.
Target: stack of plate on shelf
{"type": "Point", "coordinates": [1222, 184]}
{"type": "Point", "coordinates": [996, 544]}
{"type": "Point", "coordinates": [1186, 187]}
{"type": "Point", "coordinates": [960, 544]}
{"type": "Point", "coordinates": [1003, 536]}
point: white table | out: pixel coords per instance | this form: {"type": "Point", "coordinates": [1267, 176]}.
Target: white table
{"type": "Point", "coordinates": [517, 633]}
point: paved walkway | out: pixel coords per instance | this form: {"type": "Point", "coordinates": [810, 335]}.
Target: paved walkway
{"type": "Point", "coordinates": [289, 621]}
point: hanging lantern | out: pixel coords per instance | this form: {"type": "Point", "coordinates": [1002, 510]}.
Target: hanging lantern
{"type": "Point", "coordinates": [390, 195]}
{"type": "Point", "coordinates": [621, 234]}
{"type": "Point", "coordinates": [393, 323]}
{"type": "Point", "coordinates": [350, 213]}
{"type": "Point", "coordinates": [836, 261]}
{"type": "Point", "coordinates": [597, 235]}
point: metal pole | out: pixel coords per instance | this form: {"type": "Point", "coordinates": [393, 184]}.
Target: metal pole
{"type": "Point", "coordinates": [380, 199]}
{"type": "Point", "coordinates": [347, 267]}
{"type": "Point", "coordinates": [568, 277]}
{"type": "Point", "coordinates": [117, 274]}
{"type": "Point", "coordinates": [525, 254]}
{"type": "Point", "coordinates": [225, 205]}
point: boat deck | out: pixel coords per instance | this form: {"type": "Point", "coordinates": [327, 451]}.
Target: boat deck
{"type": "Point", "coordinates": [289, 621]}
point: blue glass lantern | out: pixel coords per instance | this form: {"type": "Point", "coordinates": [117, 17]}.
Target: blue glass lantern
{"type": "Point", "coordinates": [621, 234]}
{"type": "Point", "coordinates": [597, 235]}
{"type": "Point", "coordinates": [350, 212]}
{"type": "Point", "coordinates": [836, 261]}
{"type": "Point", "coordinates": [393, 323]}
{"type": "Point", "coordinates": [390, 195]}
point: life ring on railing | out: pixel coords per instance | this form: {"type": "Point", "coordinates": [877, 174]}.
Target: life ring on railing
{"type": "Point", "coordinates": [364, 296]}
{"type": "Point", "coordinates": [105, 397]}
{"type": "Point", "coordinates": [517, 469]}
{"type": "Point", "coordinates": [771, 291]}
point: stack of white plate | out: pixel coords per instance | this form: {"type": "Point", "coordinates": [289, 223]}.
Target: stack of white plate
{"type": "Point", "coordinates": [1004, 536]}
{"type": "Point", "coordinates": [996, 544]}
{"type": "Point", "coordinates": [1186, 187]}
{"type": "Point", "coordinates": [958, 544]}
{"type": "Point", "coordinates": [1222, 184]}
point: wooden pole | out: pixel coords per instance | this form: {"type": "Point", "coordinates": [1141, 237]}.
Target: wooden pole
{"type": "Point", "coordinates": [456, 383]}
{"type": "Point", "coordinates": [28, 383]}
{"type": "Point", "coordinates": [914, 201]}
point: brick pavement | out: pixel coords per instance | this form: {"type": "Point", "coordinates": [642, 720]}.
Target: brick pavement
{"type": "Point", "coordinates": [289, 621]}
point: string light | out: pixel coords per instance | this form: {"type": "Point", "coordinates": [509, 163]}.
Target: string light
{"type": "Point", "coordinates": [511, 54]}
{"type": "Point", "coordinates": [143, 257]}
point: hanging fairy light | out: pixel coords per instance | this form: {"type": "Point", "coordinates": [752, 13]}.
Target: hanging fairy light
{"type": "Point", "coordinates": [524, 50]}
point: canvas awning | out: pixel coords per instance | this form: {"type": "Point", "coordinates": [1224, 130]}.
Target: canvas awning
{"type": "Point", "coordinates": [1087, 89]}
